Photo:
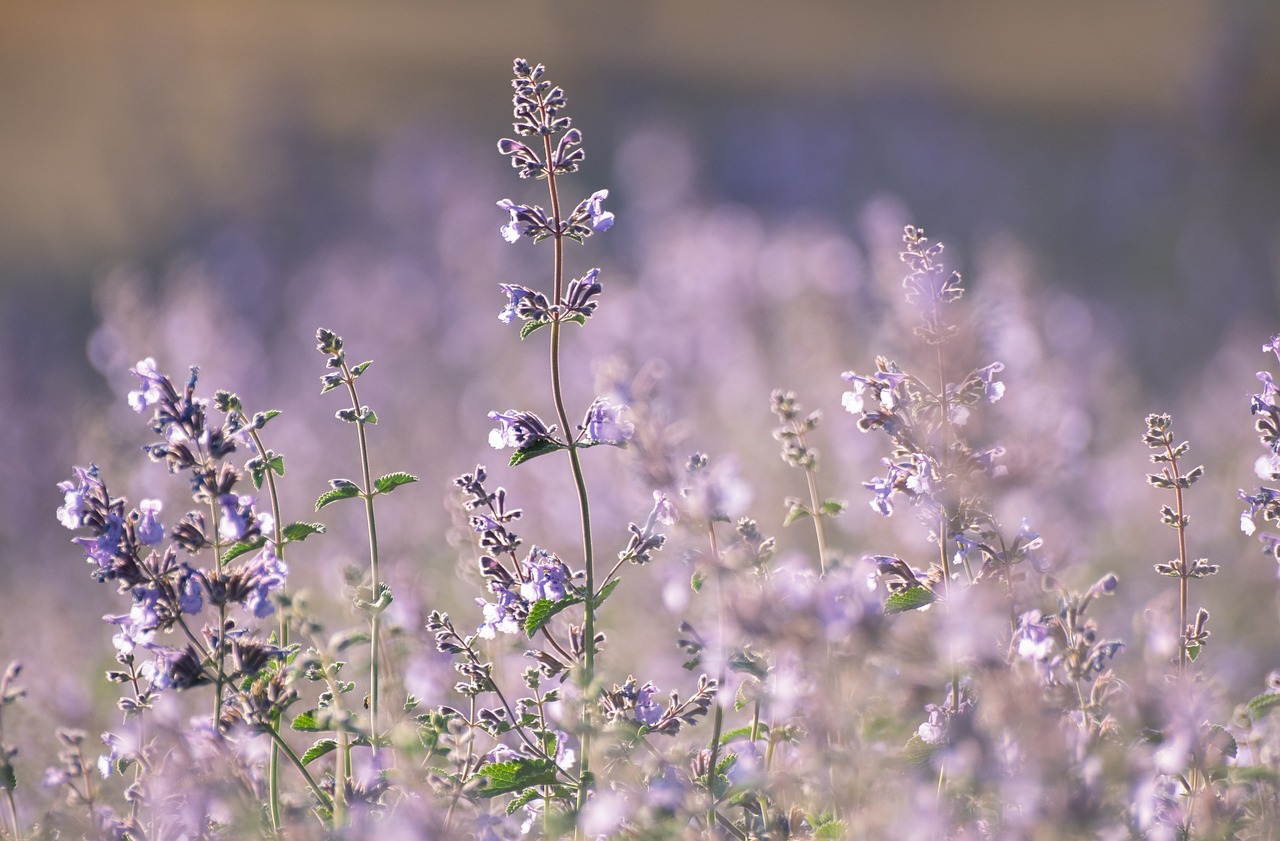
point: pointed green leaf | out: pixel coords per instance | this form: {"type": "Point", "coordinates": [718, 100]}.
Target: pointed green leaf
{"type": "Point", "coordinates": [918, 752]}
{"type": "Point", "coordinates": [1262, 704]}
{"type": "Point", "coordinates": [523, 800]}
{"type": "Point", "coordinates": [391, 481]}
{"type": "Point", "coordinates": [301, 531]}
{"type": "Point", "coordinates": [542, 611]}
{"type": "Point", "coordinates": [607, 590]}
{"type": "Point", "coordinates": [306, 722]}
{"type": "Point", "coordinates": [318, 750]}
{"type": "Point", "coordinates": [913, 598]}
{"type": "Point", "coordinates": [342, 489]}
{"type": "Point", "coordinates": [797, 512]}
{"type": "Point", "coordinates": [276, 463]}
{"type": "Point", "coordinates": [833, 507]}
{"type": "Point", "coordinates": [360, 369]}
{"type": "Point", "coordinates": [529, 326]}
{"type": "Point", "coordinates": [243, 548]}
{"type": "Point", "coordinates": [743, 733]}
{"type": "Point", "coordinates": [577, 318]}
{"type": "Point", "coordinates": [538, 448]}
{"type": "Point", "coordinates": [1193, 651]}
{"type": "Point", "coordinates": [516, 775]}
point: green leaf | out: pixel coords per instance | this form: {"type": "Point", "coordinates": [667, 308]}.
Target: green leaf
{"type": "Point", "coordinates": [341, 489]}
{"type": "Point", "coordinates": [797, 512]}
{"type": "Point", "coordinates": [542, 611]}
{"type": "Point", "coordinates": [917, 751]}
{"type": "Point", "coordinates": [8, 777]}
{"type": "Point", "coordinates": [523, 800]}
{"type": "Point", "coordinates": [1193, 651]}
{"type": "Point", "coordinates": [538, 448]}
{"type": "Point", "coordinates": [529, 326]}
{"type": "Point", "coordinates": [607, 590]}
{"type": "Point", "coordinates": [1262, 704]}
{"type": "Point", "coordinates": [360, 369]}
{"type": "Point", "coordinates": [833, 507]}
{"type": "Point", "coordinates": [516, 775]}
{"type": "Point", "coordinates": [243, 548]}
{"type": "Point", "coordinates": [912, 598]}
{"type": "Point", "coordinates": [391, 481]}
{"type": "Point", "coordinates": [276, 463]}
{"type": "Point", "coordinates": [301, 531]}
{"type": "Point", "coordinates": [318, 750]}
{"type": "Point", "coordinates": [742, 733]}
{"type": "Point", "coordinates": [305, 723]}
{"type": "Point", "coordinates": [697, 580]}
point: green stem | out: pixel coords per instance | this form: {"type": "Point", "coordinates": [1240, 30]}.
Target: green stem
{"type": "Point", "coordinates": [589, 618]}
{"type": "Point", "coordinates": [718, 720]}
{"type": "Point", "coordinates": [375, 621]}
{"type": "Point", "coordinates": [273, 771]}
{"type": "Point", "coordinates": [815, 505]}
{"type": "Point", "coordinates": [324, 799]}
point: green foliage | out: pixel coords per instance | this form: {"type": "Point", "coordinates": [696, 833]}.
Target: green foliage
{"type": "Point", "coordinates": [540, 448]}
{"type": "Point", "coordinates": [912, 598]}
{"type": "Point", "coordinates": [516, 775]}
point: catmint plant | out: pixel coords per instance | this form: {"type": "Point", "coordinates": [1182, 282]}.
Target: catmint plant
{"type": "Point", "coordinates": [797, 452]}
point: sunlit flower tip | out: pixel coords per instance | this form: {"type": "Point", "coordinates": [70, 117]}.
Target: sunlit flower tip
{"type": "Point", "coordinates": [515, 294]}
{"type": "Point", "coordinates": [604, 423]}
{"type": "Point", "coordinates": [1030, 539]}
{"type": "Point", "coordinates": [547, 577]}
{"type": "Point", "coordinates": [601, 219]}
{"type": "Point", "coordinates": [150, 530]}
{"type": "Point", "coordinates": [150, 380]}
{"type": "Point", "coordinates": [1246, 523]}
{"type": "Point", "coordinates": [499, 617]}
{"type": "Point", "coordinates": [1273, 345]}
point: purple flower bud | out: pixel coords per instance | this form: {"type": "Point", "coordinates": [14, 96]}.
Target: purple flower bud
{"type": "Point", "coordinates": [601, 220]}
{"type": "Point", "coordinates": [519, 430]}
{"type": "Point", "coordinates": [648, 711]}
{"type": "Point", "coordinates": [237, 516]}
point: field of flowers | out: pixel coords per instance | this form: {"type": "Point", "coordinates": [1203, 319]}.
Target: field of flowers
{"type": "Point", "coordinates": [783, 529]}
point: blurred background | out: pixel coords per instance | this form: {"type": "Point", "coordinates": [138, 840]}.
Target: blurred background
{"type": "Point", "coordinates": [208, 183]}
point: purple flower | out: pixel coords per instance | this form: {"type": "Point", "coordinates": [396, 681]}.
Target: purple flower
{"type": "Point", "coordinates": [138, 626]}
{"type": "Point", "coordinates": [648, 711]}
{"type": "Point", "coordinates": [604, 424]}
{"type": "Point", "coordinates": [547, 577]}
{"type": "Point", "coordinates": [499, 616]}
{"type": "Point", "coordinates": [150, 531]}
{"type": "Point", "coordinates": [264, 575]}
{"type": "Point", "coordinates": [991, 388]}
{"type": "Point", "coordinates": [520, 430]}
{"type": "Point", "coordinates": [522, 303]}
{"type": "Point", "coordinates": [190, 596]}
{"type": "Point", "coordinates": [102, 548]}
{"type": "Point", "coordinates": [151, 389]}
{"type": "Point", "coordinates": [1034, 637]}
{"type": "Point", "coordinates": [520, 224]}
{"type": "Point", "coordinates": [664, 510]}
{"type": "Point", "coordinates": [601, 220]}
{"type": "Point", "coordinates": [75, 494]}
{"type": "Point", "coordinates": [237, 519]}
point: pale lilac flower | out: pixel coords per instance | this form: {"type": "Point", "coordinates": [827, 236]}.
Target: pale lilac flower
{"type": "Point", "coordinates": [648, 711]}
{"type": "Point", "coordinates": [237, 516]}
{"type": "Point", "coordinates": [518, 226]}
{"type": "Point", "coordinates": [854, 401]}
{"type": "Point", "coordinates": [604, 424]}
{"type": "Point", "coordinates": [519, 430]}
{"type": "Point", "coordinates": [601, 220]}
{"type": "Point", "coordinates": [264, 575]}
{"type": "Point", "coordinates": [75, 492]}
{"type": "Point", "coordinates": [150, 530]}
{"type": "Point", "coordinates": [151, 391]}
{"type": "Point", "coordinates": [992, 388]}
{"type": "Point", "coordinates": [499, 616]}
{"type": "Point", "coordinates": [664, 510]}
{"type": "Point", "coordinates": [547, 577]}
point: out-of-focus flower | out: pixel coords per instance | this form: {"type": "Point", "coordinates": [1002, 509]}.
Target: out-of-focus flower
{"type": "Point", "coordinates": [604, 424]}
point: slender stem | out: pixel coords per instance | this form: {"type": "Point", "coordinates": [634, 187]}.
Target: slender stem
{"type": "Point", "coordinates": [324, 799]}
{"type": "Point", "coordinates": [718, 719]}
{"type": "Point", "coordinates": [220, 653]}
{"type": "Point", "coordinates": [810, 475]}
{"type": "Point", "coordinates": [375, 621]}
{"type": "Point", "coordinates": [589, 617]}
{"type": "Point", "coordinates": [273, 772]}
